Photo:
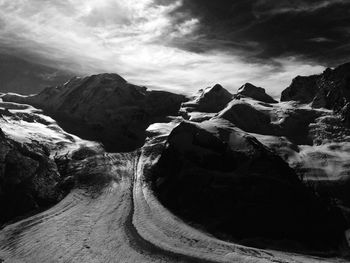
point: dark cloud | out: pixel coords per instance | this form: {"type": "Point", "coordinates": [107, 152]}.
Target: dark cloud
{"type": "Point", "coordinates": [316, 30]}
{"type": "Point", "coordinates": [21, 76]}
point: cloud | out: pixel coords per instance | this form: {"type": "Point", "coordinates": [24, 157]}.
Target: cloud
{"type": "Point", "coordinates": [320, 39]}
{"type": "Point", "coordinates": [18, 75]}
{"type": "Point", "coordinates": [162, 44]}
{"type": "Point", "coordinates": [270, 7]}
{"type": "Point", "coordinates": [280, 28]}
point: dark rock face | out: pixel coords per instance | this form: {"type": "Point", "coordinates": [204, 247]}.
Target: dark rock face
{"type": "Point", "coordinates": [345, 113]}
{"type": "Point", "coordinates": [217, 176]}
{"type": "Point", "coordinates": [302, 89]}
{"type": "Point", "coordinates": [257, 93]}
{"type": "Point", "coordinates": [212, 99]}
{"type": "Point", "coordinates": [105, 108]}
{"type": "Point", "coordinates": [28, 178]}
{"type": "Point", "coordinates": [330, 90]}
{"type": "Point", "coordinates": [32, 180]}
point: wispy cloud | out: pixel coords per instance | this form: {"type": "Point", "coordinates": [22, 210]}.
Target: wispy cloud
{"type": "Point", "coordinates": [132, 38]}
{"type": "Point", "coordinates": [287, 6]}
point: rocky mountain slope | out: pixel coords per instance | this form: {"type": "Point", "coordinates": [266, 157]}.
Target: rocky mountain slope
{"type": "Point", "coordinates": [330, 90]}
{"type": "Point", "coordinates": [218, 176]}
{"type": "Point", "coordinates": [224, 169]}
{"type": "Point", "coordinates": [28, 178]}
{"type": "Point", "coordinates": [105, 108]}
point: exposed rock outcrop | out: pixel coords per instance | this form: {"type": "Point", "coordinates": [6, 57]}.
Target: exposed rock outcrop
{"type": "Point", "coordinates": [256, 93]}
{"type": "Point", "coordinates": [28, 178]}
{"type": "Point", "coordinates": [36, 156]}
{"type": "Point", "coordinates": [302, 89]}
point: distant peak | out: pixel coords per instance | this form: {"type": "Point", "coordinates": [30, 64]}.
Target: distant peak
{"type": "Point", "coordinates": [249, 85]}
{"type": "Point", "coordinates": [254, 92]}
{"type": "Point", "coordinates": [215, 91]}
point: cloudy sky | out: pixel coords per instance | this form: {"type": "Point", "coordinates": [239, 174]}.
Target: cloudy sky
{"type": "Point", "coordinates": [178, 45]}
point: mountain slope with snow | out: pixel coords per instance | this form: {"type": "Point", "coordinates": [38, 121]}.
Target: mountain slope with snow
{"type": "Point", "coordinates": [206, 179]}
{"type": "Point", "coordinates": [105, 107]}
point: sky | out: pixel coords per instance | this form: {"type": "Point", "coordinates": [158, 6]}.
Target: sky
{"type": "Point", "coordinates": [177, 45]}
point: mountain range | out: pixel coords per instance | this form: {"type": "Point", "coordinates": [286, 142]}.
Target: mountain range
{"type": "Point", "coordinates": [215, 177]}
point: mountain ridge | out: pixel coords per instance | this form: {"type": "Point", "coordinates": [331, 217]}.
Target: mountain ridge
{"type": "Point", "coordinates": [217, 153]}
{"type": "Point", "coordinates": [330, 90]}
